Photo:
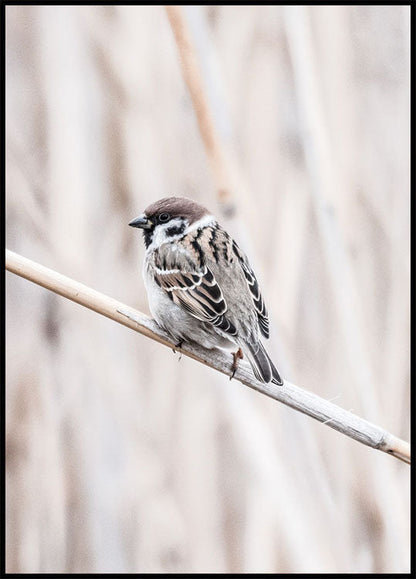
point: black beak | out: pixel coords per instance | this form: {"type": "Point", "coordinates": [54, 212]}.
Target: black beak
{"type": "Point", "coordinates": [142, 222]}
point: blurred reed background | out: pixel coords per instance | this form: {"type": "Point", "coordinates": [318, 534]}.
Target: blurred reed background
{"type": "Point", "coordinates": [119, 457]}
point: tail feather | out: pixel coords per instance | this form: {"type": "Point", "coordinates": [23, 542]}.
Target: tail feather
{"type": "Point", "coordinates": [261, 364]}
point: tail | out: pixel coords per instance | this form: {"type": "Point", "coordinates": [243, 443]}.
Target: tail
{"type": "Point", "coordinates": [262, 366]}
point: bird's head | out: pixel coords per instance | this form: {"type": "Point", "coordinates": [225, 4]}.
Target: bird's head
{"type": "Point", "coordinates": [170, 218]}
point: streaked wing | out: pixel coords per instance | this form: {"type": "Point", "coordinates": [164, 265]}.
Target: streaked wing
{"type": "Point", "coordinates": [198, 293]}
{"type": "Point", "coordinates": [253, 285]}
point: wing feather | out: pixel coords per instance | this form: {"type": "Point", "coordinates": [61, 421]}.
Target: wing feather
{"type": "Point", "coordinates": [260, 306]}
{"type": "Point", "coordinates": [198, 293]}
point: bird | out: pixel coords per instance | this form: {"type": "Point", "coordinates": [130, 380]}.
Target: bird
{"type": "Point", "coordinates": [200, 285]}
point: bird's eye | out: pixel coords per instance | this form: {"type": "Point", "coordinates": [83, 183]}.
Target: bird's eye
{"type": "Point", "coordinates": [164, 217]}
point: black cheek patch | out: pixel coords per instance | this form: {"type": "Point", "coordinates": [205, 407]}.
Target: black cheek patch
{"type": "Point", "coordinates": [175, 230]}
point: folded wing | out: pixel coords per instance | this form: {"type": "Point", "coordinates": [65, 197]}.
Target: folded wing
{"type": "Point", "coordinates": [263, 317]}
{"type": "Point", "coordinates": [198, 293]}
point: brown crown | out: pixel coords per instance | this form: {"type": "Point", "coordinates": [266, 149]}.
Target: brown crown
{"type": "Point", "coordinates": [177, 207]}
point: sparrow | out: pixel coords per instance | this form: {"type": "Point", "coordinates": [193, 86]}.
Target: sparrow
{"type": "Point", "coordinates": [200, 285]}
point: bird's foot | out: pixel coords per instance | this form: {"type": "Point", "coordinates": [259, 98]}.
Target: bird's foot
{"type": "Point", "coordinates": [236, 357]}
{"type": "Point", "coordinates": [178, 345]}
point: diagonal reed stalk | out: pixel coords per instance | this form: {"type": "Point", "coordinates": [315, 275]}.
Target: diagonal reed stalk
{"type": "Point", "coordinates": [289, 394]}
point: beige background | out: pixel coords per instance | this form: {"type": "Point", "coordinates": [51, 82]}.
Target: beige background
{"type": "Point", "coordinates": [119, 457]}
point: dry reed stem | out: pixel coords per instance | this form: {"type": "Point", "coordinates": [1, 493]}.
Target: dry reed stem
{"type": "Point", "coordinates": [323, 182]}
{"type": "Point", "coordinates": [193, 79]}
{"type": "Point", "coordinates": [291, 395]}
